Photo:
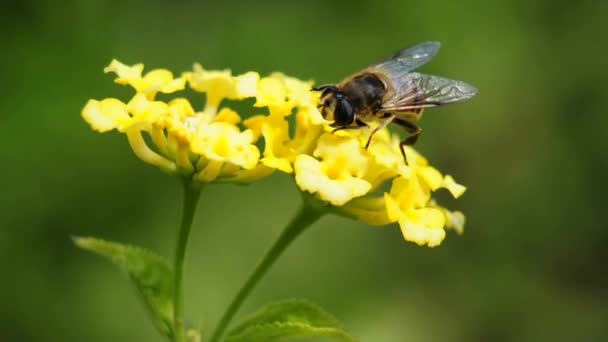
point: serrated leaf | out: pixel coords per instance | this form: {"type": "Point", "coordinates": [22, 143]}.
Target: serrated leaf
{"type": "Point", "coordinates": [149, 272]}
{"type": "Point", "coordinates": [289, 319]}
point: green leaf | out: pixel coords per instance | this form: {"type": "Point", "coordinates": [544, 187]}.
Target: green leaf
{"type": "Point", "coordinates": [295, 318]}
{"type": "Point", "coordinates": [149, 272]}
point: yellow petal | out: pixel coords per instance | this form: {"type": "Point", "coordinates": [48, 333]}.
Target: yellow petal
{"type": "Point", "coordinates": [431, 177]}
{"type": "Point", "coordinates": [174, 85]}
{"type": "Point", "coordinates": [369, 210]}
{"type": "Point", "coordinates": [297, 92]}
{"type": "Point", "coordinates": [272, 93]}
{"type": "Point", "coordinates": [414, 158]}
{"type": "Point", "coordinates": [125, 73]}
{"type": "Point", "coordinates": [228, 116]}
{"type": "Point", "coordinates": [255, 124]}
{"type": "Point", "coordinates": [217, 84]}
{"type": "Point", "coordinates": [105, 115]}
{"type": "Point", "coordinates": [409, 194]}
{"type": "Point", "coordinates": [154, 81]}
{"type": "Point", "coordinates": [161, 80]}
{"type": "Point", "coordinates": [204, 80]}
{"type": "Point", "coordinates": [158, 77]}
{"type": "Point", "coordinates": [423, 226]}
{"type": "Point", "coordinates": [454, 220]}
{"type": "Point", "coordinates": [281, 164]}
{"type": "Point", "coordinates": [181, 109]}
{"type": "Point", "coordinates": [145, 153]}
{"type": "Point", "coordinates": [310, 177]}
{"type": "Point", "coordinates": [393, 210]}
{"type": "Point", "coordinates": [249, 176]}
{"type": "Point", "coordinates": [143, 112]}
{"type": "Point", "coordinates": [276, 137]}
{"type": "Point", "coordinates": [210, 172]}
{"type": "Point", "coordinates": [454, 188]}
{"type": "Point", "coordinates": [313, 115]}
{"type": "Point", "coordinates": [224, 142]}
{"type": "Point", "coordinates": [246, 85]}
{"type": "Point", "coordinates": [307, 133]}
{"type": "Point", "coordinates": [344, 152]}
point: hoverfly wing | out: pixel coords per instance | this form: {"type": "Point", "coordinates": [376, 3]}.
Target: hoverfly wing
{"type": "Point", "coordinates": [414, 91]}
{"type": "Point", "coordinates": [409, 59]}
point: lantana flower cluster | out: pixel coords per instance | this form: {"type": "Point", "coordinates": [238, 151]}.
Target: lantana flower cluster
{"type": "Point", "coordinates": [289, 134]}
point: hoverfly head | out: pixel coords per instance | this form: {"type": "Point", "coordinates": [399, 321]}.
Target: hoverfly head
{"type": "Point", "coordinates": [335, 106]}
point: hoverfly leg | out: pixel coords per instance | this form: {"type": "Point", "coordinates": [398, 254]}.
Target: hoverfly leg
{"type": "Point", "coordinates": [410, 127]}
{"type": "Point", "coordinates": [322, 87]}
{"type": "Point", "coordinates": [410, 141]}
{"type": "Point", "coordinates": [380, 126]}
{"type": "Point", "coordinates": [359, 124]}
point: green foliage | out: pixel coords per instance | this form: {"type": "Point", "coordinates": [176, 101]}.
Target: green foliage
{"type": "Point", "coordinates": [149, 272]}
{"type": "Point", "coordinates": [295, 318]}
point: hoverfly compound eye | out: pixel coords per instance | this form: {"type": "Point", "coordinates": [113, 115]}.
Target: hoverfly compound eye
{"type": "Point", "coordinates": [344, 113]}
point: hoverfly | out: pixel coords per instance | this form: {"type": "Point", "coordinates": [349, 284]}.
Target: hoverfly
{"type": "Point", "coordinates": [389, 91]}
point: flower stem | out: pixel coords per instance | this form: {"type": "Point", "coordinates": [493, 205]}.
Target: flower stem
{"type": "Point", "coordinates": [191, 195]}
{"type": "Point", "coordinates": [304, 218]}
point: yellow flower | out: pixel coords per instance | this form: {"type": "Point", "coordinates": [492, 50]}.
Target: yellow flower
{"type": "Point", "coordinates": [207, 146]}
{"type": "Point", "coordinates": [385, 153]}
{"type": "Point", "coordinates": [421, 220]}
{"type": "Point", "coordinates": [219, 85]}
{"type": "Point", "coordinates": [409, 201]}
{"type": "Point", "coordinates": [284, 96]}
{"type": "Point", "coordinates": [338, 176]}
{"type": "Point", "coordinates": [105, 115]}
{"type": "Point", "coordinates": [109, 114]}
{"type": "Point", "coordinates": [221, 141]}
{"type": "Point", "coordinates": [216, 145]}
{"type": "Point", "coordinates": [456, 189]}
{"type": "Point", "coordinates": [406, 204]}
{"type": "Point", "coordinates": [139, 114]}
{"type": "Point", "coordinates": [453, 219]}
{"type": "Point", "coordinates": [368, 209]}
{"type": "Point", "coordinates": [157, 80]}
{"type": "Point", "coordinates": [278, 153]}
{"type": "Point", "coordinates": [273, 94]}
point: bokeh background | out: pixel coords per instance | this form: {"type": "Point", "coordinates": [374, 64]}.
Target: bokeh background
{"type": "Point", "coordinates": [532, 148]}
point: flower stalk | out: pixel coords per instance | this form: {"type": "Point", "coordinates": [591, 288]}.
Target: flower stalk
{"type": "Point", "coordinates": [308, 214]}
{"type": "Point", "coordinates": [191, 195]}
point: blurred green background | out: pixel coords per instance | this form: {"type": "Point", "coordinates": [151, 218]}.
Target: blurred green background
{"type": "Point", "coordinates": [531, 147]}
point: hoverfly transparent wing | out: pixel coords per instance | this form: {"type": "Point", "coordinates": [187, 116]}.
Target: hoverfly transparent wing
{"type": "Point", "coordinates": [414, 91]}
{"type": "Point", "coordinates": [409, 59]}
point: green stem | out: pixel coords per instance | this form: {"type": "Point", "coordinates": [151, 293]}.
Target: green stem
{"type": "Point", "coordinates": [304, 218]}
{"type": "Point", "coordinates": [191, 195]}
